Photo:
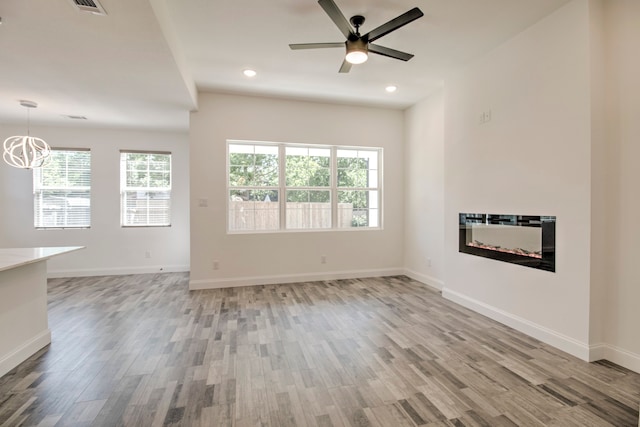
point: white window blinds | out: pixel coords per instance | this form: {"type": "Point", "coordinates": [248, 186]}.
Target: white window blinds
{"type": "Point", "coordinates": [62, 190]}
{"type": "Point", "coordinates": [145, 189]}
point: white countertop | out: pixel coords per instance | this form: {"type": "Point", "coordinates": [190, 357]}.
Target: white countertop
{"type": "Point", "coordinates": [16, 257]}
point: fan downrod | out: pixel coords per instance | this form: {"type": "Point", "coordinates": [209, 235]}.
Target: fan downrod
{"type": "Point", "coordinates": [357, 21]}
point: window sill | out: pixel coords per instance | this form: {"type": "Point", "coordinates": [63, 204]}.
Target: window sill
{"type": "Point", "coordinates": [145, 226]}
{"type": "Point", "coordinates": [62, 228]}
{"type": "Point", "coordinates": [324, 230]}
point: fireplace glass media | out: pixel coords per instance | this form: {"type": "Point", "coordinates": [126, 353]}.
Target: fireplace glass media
{"type": "Point", "coordinates": [528, 240]}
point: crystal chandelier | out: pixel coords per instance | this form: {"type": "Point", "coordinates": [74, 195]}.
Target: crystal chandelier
{"type": "Point", "coordinates": [26, 152]}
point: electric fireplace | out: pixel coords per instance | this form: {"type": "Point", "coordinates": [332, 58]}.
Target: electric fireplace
{"type": "Point", "coordinates": [528, 240]}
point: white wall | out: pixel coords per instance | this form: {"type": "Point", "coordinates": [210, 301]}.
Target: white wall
{"type": "Point", "coordinates": [424, 190]}
{"type": "Point", "coordinates": [533, 157]}
{"type": "Point", "coordinates": [111, 249]}
{"type": "Point", "coordinates": [288, 256]}
{"type": "Point", "coordinates": [622, 18]}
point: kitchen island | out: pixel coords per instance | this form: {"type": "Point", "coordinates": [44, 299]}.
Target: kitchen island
{"type": "Point", "coordinates": [24, 326]}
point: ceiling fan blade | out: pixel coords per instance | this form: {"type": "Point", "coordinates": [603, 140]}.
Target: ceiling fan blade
{"type": "Point", "coordinates": [393, 25]}
{"type": "Point", "coordinates": [336, 16]}
{"type": "Point", "coordinates": [346, 67]}
{"type": "Point", "coordinates": [315, 45]}
{"type": "Point", "coordinates": [391, 53]}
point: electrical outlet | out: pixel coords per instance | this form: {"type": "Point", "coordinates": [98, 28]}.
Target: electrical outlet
{"type": "Point", "coordinates": [428, 262]}
{"type": "Point", "coordinates": [323, 259]}
{"type": "Point", "coordinates": [147, 254]}
{"type": "Point", "coordinates": [216, 264]}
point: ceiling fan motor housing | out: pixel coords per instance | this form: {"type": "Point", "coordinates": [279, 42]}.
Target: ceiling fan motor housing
{"type": "Point", "coordinates": [356, 45]}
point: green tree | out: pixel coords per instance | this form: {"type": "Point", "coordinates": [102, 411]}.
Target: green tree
{"type": "Point", "coordinates": [253, 170]}
{"type": "Point", "coordinates": [148, 170]}
{"type": "Point", "coordinates": [308, 171]}
{"type": "Point", "coordinates": [66, 169]}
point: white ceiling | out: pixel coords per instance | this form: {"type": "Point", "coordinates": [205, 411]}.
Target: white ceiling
{"type": "Point", "coordinates": [136, 66]}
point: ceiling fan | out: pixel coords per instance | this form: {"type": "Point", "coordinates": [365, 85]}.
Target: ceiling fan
{"type": "Point", "coordinates": [358, 46]}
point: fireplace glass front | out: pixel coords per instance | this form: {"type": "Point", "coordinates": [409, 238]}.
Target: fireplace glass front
{"type": "Point", "coordinates": [528, 240]}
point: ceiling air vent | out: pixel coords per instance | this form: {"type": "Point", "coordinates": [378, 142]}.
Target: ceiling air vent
{"type": "Point", "coordinates": [91, 6]}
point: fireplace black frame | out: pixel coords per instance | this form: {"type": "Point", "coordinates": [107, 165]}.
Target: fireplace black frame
{"type": "Point", "coordinates": [546, 223]}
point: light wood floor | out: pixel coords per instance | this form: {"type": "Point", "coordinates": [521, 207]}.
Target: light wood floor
{"type": "Point", "coordinates": [143, 350]}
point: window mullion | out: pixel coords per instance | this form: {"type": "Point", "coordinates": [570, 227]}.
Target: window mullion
{"type": "Point", "coordinates": [334, 186]}
{"type": "Point", "coordinates": [282, 198]}
{"type": "Point", "coordinates": [147, 201]}
{"type": "Point", "coordinates": [380, 189]}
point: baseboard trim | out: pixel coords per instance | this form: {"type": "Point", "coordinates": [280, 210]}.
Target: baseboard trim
{"type": "Point", "coordinates": [597, 352]}
{"type": "Point", "coordinates": [117, 271]}
{"type": "Point", "coordinates": [292, 278]}
{"type": "Point", "coordinates": [616, 355]}
{"type": "Point", "coordinates": [546, 335]}
{"type": "Point", "coordinates": [24, 351]}
{"type": "Point", "coordinates": [423, 278]}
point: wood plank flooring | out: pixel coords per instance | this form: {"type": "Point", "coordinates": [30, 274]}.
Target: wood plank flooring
{"type": "Point", "coordinates": [144, 351]}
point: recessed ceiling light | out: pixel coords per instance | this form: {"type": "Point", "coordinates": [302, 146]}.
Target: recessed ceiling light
{"type": "Point", "coordinates": [249, 73]}
{"type": "Point", "coordinates": [391, 88]}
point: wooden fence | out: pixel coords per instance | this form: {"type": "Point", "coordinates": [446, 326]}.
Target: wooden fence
{"type": "Point", "coordinates": [266, 215]}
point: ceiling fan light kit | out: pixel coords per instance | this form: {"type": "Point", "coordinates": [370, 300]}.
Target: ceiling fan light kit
{"type": "Point", "coordinates": [358, 46]}
{"type": "Point", "coordinates": [356, 52]}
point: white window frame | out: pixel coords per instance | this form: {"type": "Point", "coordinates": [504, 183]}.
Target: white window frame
{"type": "Point", "coordinates": [333, 188]}
{"type": "Point", "coordinates": [38, 189]}
{"type": "Point", "coordinates": [124, 189]}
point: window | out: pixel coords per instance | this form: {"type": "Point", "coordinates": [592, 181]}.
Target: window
{"type": "Point", "coordinates": [145, 189]}
{"type": "Point", "coordinates": [308, 186]}
{"type": "Point", "coordinates": [357, 188]}
{"type": "Point", "coordinates": [275, 187]}
{"type": "Point", "coordinates": [253, 187]}
{"type": "Point", "coordinates": [62, 190]}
